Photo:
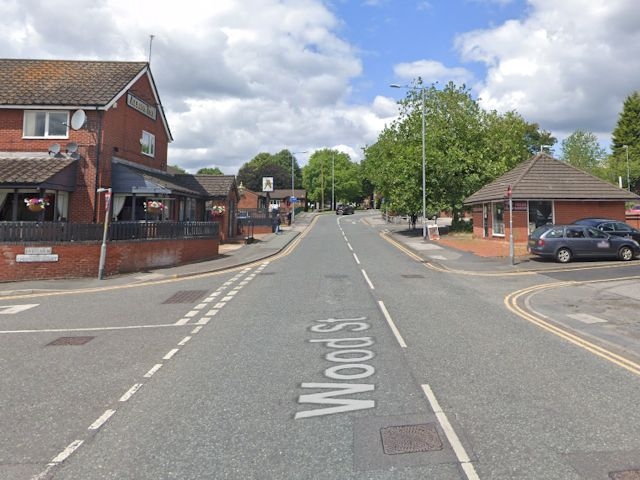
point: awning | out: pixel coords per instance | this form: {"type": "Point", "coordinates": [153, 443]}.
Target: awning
{"type": "Point", "coordinates": [37, 170]}
{"type": "Point", "coordinates": [126, 179]}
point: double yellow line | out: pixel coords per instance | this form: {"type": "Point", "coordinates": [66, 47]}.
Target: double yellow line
{"type": "Point", "coordinates": [512, 303]}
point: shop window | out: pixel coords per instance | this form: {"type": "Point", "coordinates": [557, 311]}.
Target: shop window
{"type": "Point", "coordinates": [498, 219]}
{"type": "Point", "coordinates": [148, 143]}
{"type": "Point", "coordinates": [540, 213]}
{"type": "Point", "coordinates": [43, 124]}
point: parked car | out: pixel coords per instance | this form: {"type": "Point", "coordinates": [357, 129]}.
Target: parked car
{"type": "Point", "coordinates": [344, 209]}
{"type": "Point", "coordinates": [566, 242]}
{"type": "Point", "coordinates": [612, 227]}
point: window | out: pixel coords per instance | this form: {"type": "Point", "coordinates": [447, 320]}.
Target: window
{"type": "Point", "coordinates": [540, 213]}
{"type": "Point", "coordinates": [593, 233]}
{"type": "Point", "coordinates": [148, 143]}
{"type": "Point", "coordinates": [41, 124]}
{"type": "Point", "coordinates": [498, 219]}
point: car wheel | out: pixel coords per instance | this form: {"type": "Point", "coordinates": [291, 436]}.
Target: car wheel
{"type": "Point", "coordinates": [625, 253]}
{"type": "Point", "coordinates": [563, 255]}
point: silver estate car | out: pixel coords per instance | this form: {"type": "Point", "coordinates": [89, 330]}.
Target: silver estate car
{"type": "Point", "coordinates": [566, 242]}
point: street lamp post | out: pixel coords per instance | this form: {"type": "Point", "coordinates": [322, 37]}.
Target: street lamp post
{"type": "Point", "coordinates": [424, 192]}
{"type": "Point", "coordinates": [333, 182]}
{"type": "Point", "coordinates": [293, 209]}
{"type": "Point", "coordinates": [626, 147]}
{"type": "Point", "coordinates": [103, 247]}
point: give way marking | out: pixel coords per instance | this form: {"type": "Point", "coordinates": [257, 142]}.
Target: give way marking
{"type": "Point", "coordinates": [12, 309]}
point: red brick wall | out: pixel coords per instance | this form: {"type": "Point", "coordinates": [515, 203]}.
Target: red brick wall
{"type": "Point", "coordinates": [83, 259]}
{"type": "Point", "coordinates": [568, 212]}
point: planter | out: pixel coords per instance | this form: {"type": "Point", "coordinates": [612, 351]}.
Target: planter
{"type": "Point", "coordinates": [35, 208]}
{"type": "Point", "coordinates": [153, 210]}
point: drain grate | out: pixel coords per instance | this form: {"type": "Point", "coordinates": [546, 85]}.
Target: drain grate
{"type": "Point", "coordinates": [410, 439]}
{"type": "Point", "coordinates": [625, 475]}
{"type": "Point", "coordinates": [70, 341]}
{"type": "Point", "coordinates": [186, 296]}
{"type": "Point", "coordinates": [411, 275]}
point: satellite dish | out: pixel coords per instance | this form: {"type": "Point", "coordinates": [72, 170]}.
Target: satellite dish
{"type": "Point", "coordinates": [72, 147]}
{"type": "Point", "coordinates": [54, 148]}
{"type": "Point", "coordinates": [78, 119]}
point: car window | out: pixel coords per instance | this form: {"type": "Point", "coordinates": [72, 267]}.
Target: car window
{"type": "Point", "coordinates": [606, 227]}
{"type": "Point", "coordinates": [575, 232]}
{"type": "Point", "coordinates": [593, 233]}
{"type": "Point", "coordinates": [555, 233]}
{"type": "Point", "coordinates": [621, 227]}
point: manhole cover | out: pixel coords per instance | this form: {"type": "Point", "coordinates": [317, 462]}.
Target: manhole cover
{"type": "Point", "coordinates": [186, 296]}
{"type": "Point", "coordinates": [408, 275]}
{"type": "Point", "coordinates": [626, 475]}
{"type": "Point", "coordinates": [410, 439]}
{"type": "Point", "coordinates": [70, 341]}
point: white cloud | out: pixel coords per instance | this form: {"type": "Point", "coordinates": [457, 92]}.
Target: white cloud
{"type": "Point", "coordinates": [568, 65]}
{"type": "Point", "coordinates": [431, 71]}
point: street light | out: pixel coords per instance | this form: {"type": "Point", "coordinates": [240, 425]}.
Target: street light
{"type": "Point", "coordinates": [333, 181]}
{"type": "Point", "coordinates": [626, 147]}
{"type": "Point", "coordinates": [424, 192]}
{"type": "Point", "coordinates": [103, 247]}
{"type": "Point", "coordinates": [293, 209]}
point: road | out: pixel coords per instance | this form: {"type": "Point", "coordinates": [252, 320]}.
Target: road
{"type": "Point", "coordinates": [343, 358]}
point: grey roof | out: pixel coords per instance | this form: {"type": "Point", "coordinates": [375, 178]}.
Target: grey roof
{"type": "Point", "coordinates": [127, 178]}
{"type": "Point", "coordinates": [210, 185]}
{"type": "Point", "coordinates": [545, 178]}
{"type": "Point", "coordinates": [37, 169]}
{"type": "Point", "coordinates": [285, 193]}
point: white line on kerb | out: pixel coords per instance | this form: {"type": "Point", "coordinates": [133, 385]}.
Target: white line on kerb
{"type": "Point", "coordinates": [153, 370]}
{"type": "Point", "coordinates": [170, 354]}
{"type": "Point", "coordinates": [130, 392]}
{"type": "Point", "coordinates": [392, 325]}
{"type": "Point", "coordinates": [366, 277]}
{"type": "Point", "coordinates": [459, 450]}
{"type": "Point", "coordinates": [101, 421]}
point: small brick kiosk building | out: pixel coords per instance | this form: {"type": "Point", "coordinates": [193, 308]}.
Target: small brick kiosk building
{"type": "Point", "coordinates": [543, 190]}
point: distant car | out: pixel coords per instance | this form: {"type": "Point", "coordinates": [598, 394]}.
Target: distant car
{"type": "Point", "coordinates": [612, 227]}
{"type": "Point", "coordinates": [635, 210]}
{"type": "Point", "coordinates": [566, 242]}
{"type": "Point", "coordinates": [344, 209]}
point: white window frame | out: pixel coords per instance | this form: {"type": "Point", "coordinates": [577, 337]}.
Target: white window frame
{"type": "Point", "coordinates": [148, 144]}
{"type": "Point", "coordinates": [497, 227]}
{"type": "Point", "coordinates": [47, 113]}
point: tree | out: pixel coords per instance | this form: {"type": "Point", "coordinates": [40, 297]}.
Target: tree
{"type": "Point", "coordinates": [331, 168]}
{"type": "Point", "coordinates": [178, 168]}
{"type": "Point", "coordinates": [627, 132]}
{"type": "Point", "coordinates": [209, 171]}
{"type": "Point", "coordinates": [277, 166]}
{"type": "Point", "coordinates": [582, 150]}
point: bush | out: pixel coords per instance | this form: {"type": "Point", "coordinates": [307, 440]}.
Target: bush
{"type": "Point", "coordinates": [462, 226]}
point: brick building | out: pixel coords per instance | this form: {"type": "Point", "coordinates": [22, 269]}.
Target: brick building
{"type": "Point", "coordinates": [543, 190]}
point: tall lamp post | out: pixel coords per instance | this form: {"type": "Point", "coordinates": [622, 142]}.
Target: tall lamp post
{"type": "Point", "coordinates": [333, 181]}
{"type": "Point", "coordinates": [424, 192]}
{"type": "Point", "coordinates": [293, 209]}
{"type": "Point", "coordinates": [626, 147]}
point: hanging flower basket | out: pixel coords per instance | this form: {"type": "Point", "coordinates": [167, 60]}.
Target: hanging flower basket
{"type": "Point", "coordinates": [153, 207]}
{"type": "Point", "coordinates": [218, 210]}
{"type": "Point", "coordinates": [36, 204]}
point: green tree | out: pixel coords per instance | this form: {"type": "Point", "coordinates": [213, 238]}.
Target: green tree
{"type": "Point", "coordinates": [277, 166]}
{"type": "Point", "coordinates": [330, 168]}
{"type": "Point", "coordinates": [582, 150]}
{"type": "Point", "coordinates": [627, 132]}
{"type": "Point", "coordinates": [209, 171]}
{"type": "Point", "coordinates": [178, 168]}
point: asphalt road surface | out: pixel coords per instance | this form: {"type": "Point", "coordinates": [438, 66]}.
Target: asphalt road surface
{"type": "Point", "coordinates": [344, 358]}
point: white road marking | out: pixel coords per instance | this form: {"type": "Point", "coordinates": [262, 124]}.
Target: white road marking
{"type": "Point", "coordinates": [170, 354]}
{"type": "Point", "coordinates": [213, 312]}
{"type": "Point", "coordinates": [356, 257]}
{"type": "Point", "coordinates": [586, 318]}
{"type": "Point", "coordinates": [64, 454]}
{"type": "Point", "coordinates": [200, 306]}
{"type": "Point", "coordinates": [130, 393]}
{"type": "Point", "coordinates": [227, 298]}
{"type": "Point", "coordinates": [153, 370]}
{"type": "Point", "coordinates": [102, 420]}
{"type": "Point", "coordinates": [392, 325]}
{"type": "Point", "coordinates": [191, 314]}
{"type": "Point", "coordinates": [13, 309]}
{"type": "Point", "coordinates": [366, 277]}
{"type": "Point", "coordinates": [437, 257]}
{"type": "Point", "coordinates": [182, 321]}
{"type": "Point", "coordinates": [350, 247]}
{"type": "Point", "coordinates": [459, 450]}
{"type": "Point", "coordinates": [219, 304]}
{"type": "Point", "coordinates": [89, 329]}
{"type": "Point", "coordinates": [203, 320]}
{"type": "Point", "coordinates": [183, 341]}
{"type": "Point", "coordinates": [195, 330]}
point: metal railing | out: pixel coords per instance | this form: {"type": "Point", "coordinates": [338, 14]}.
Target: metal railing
{"type": "Point", "coordinates": [19, 232]}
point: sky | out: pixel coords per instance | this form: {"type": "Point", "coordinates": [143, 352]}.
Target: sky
{"type": "Point", "coordinates": [241, 77]}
